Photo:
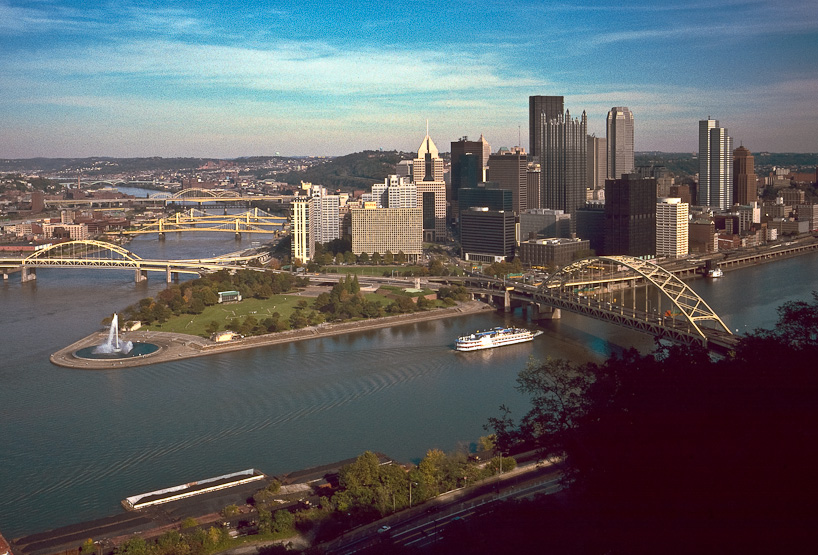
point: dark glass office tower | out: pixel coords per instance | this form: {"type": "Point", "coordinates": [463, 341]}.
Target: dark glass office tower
{"type": "Point", "coordinates": [541, 109]}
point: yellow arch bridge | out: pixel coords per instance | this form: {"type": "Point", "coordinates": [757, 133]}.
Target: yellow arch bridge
{"type": "Point", "coordinates": [101, 255]}
{"type": "Point", "coordinates": [252, 221]}
{"type": "Point", "coordinates": [626, 291]}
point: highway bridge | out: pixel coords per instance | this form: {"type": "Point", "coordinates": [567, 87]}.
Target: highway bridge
{"type": "Point", "coordinates": [252, 221]}
{"type": "Point", "coordinates": [192, 195]}
{"type": "Point", "coordinates": [107, 256]}
{"type": "Point", "coordinates": [625, 291]}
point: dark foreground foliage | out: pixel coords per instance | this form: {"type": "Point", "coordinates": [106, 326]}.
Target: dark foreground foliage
{"type": "Point", "coordinates": [673, 452]}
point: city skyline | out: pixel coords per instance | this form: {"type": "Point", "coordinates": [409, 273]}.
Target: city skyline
{"type": "Point", "coordinates": [225, 80]}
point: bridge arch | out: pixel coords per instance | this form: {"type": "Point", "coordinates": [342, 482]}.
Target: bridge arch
{"type": "Point", "coordinates": [590, 274]}
{"type": "Point", "coordinates": [81, 250]}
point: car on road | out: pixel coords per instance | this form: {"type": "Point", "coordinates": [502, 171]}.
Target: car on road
{"type": "Point", "coordinates": [383, 529]}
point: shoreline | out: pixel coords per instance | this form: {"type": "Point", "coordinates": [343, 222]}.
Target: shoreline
{"type": "Point", "coordinates": [178, 346]}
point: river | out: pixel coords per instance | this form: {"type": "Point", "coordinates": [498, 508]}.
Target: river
{"type": "Point", "coordinates": [74, 443]}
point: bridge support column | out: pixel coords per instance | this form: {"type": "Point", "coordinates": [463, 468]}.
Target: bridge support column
{"type": "Point", "coordinates": [27, 274]}
{"type": "Point", "coordinates": [545, 312]}
{"type": "Point", "coordinates": [161, 236]}
{"type": "Point", "coordinates": [168, 275]}
{"type": "Point", "coordinates": [238, 236]}
{"type": "Point", "coordinates": [507, 301]}
{"type": "Point", "coordinates": [5, 275]}
{"type": "Point", "coordinates": [141, 275]}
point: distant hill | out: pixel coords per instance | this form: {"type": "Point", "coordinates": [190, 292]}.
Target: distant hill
{"type": "Point", "coordinates": [353, 171]}
{"type": "Point", "coordinates": [101, 165]}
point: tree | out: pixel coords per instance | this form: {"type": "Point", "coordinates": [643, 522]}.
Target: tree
{"type": "Point", "coordinates": [88, 546]}
{"type": "Point", "coordinates": [388, 258]}
{"type": "Point", "coordinates": [230, 511]}
{"type": "Point", "coordinates": [662, 449]}
{"type": "Point", "coordinates": [363, 258]}
{"type": "Point", "coordinates": [283, 522]}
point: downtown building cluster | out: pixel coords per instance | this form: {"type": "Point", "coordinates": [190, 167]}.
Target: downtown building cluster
{"type": "Point", "coordinates": [572, 194]}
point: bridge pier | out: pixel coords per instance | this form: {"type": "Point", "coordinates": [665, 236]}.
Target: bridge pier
{"type": "Point", "coordinates": [238, 236]}
{"type": "Point", "coordinates": [5, 275]}
{"type": "Point", "coordinates": [141, 275]}
{"type": "Point", "coordinates": [161, 236]}
{"type": "Point", "coordinates": [27, 274]}
{"type": "Point", "coordinates": [545, 312]}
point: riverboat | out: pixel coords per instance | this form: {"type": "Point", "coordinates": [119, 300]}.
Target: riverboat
{"type": "Point", "coordinates": [497, 337]}
{"type": "Point", "coordinates": [715, 273]}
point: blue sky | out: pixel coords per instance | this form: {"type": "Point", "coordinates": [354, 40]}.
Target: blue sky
{"type": "Point", "coordinates": [238, 78]}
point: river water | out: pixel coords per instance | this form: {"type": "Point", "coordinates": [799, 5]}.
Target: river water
{"type": "Point", "coordinates": [74, 443]}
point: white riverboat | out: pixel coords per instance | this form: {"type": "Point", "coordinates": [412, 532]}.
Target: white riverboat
{"type": "Point", "coordinates": [715, 273]}
{"type": "Point", "coordinates": [497, 337]}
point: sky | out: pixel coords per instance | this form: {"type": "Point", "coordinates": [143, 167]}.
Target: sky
{"type": "Point", "coordinates": [232, 78]}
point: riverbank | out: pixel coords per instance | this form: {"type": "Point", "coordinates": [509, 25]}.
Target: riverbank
{"type": "Point", "coordinates": [177, 346]}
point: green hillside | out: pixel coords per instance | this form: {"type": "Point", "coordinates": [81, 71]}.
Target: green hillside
{"type": "Point", "coordinates": [353, 171]}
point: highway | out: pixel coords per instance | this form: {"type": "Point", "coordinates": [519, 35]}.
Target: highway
{"type": "Point", "coordinates": [428, 523]}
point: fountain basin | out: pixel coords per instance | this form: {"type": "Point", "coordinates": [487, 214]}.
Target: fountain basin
{"type": "Point", "coordinates": [138, 350]}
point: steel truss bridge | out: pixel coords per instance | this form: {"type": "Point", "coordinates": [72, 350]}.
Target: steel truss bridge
{"type": "Point", "coordinates": [252, 221]}
{"type": "Point", "coordinates": [100, 255]}
{"type": "Point", "coordinates": [626, 291]}
{"type": "Point", "coordinates": [192, 195]}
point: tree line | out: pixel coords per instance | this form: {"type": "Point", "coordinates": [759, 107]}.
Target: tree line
{"type": "Point", "coordinates": [191, 297]}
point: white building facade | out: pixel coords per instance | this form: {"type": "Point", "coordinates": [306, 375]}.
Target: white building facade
{"type": "Point", "coordinates": [672, 221]}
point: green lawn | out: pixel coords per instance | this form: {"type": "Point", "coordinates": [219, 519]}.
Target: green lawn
{"type": "Point", "coordinates": [227, 314]}
{"type": "Point", "coordinates": [230, 315]}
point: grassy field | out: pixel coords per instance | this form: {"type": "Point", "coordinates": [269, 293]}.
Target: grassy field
{"type": "Point", "coordinates": [227, 314]}
{"type": "Point", "coordinates": [231, 315]}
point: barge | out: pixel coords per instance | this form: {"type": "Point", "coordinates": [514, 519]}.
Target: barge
{"type": "Point", "coordinates": [190, 489]}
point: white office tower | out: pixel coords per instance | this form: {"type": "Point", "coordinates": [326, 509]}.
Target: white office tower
{"type": "Point", "coordinates": [428, 166]}
{"type": "Point", "coordinates": [326, 215]}
{"type": "Point", "coordinates": [301, 231]}
{"type": "Point", "coordinates": [715, 166]}
{"type": "Point", "coordinates": [671, 227]}
{"type": "Point", "coordinates": [620, 142]}
{"type": "Point", "coordinates": [395, 192]}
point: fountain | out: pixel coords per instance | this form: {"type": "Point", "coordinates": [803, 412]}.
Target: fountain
{"type": "Point", "coordinates": [112, 345]}
{"type": "Point", "coordinates": [115, 348]}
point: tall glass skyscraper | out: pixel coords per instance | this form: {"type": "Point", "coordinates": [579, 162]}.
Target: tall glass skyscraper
{"type": "Point", "coordinates": [715, 166]}
{"type": "Point", "coordinates": [541, 108]}
{"type": "Point", "coordinates": [620, 142]}
{"type": "Point", "coordinates": [563, 158]}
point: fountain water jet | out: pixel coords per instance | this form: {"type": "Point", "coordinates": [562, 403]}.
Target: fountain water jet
{"type": "Point", "coordinates": [113, 345]}
{"type": "Point", "coordinates": [114, 348]}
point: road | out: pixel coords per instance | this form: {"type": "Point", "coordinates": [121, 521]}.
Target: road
{"type": "Point", "coordinates": [426, 524]}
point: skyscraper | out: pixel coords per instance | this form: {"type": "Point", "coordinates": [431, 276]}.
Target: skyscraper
{"type": "Point", "coordinates": [428, 166]}
{"type": "Point", "coordinates": [468, 172]}
{"type": "Point", "coordinates": [541, 109]}
{"type": "Point", "coordinates": [745, 183]}
{"type": "Point", "coordinates": [671, 227]}
{"type": "Point", "coordinates": [715, 166]}
{"type": "Point", "coordinates": [620, 142]}
{"type": "Point", "coordinates": [597, 162]}
{"type": "Point", "coordinates": [430, 195]}
{"type": "Point", "coordinates": [563, 159]}
{"type": "Point", "coordinates": [509, 169]}
{"type": "Point", "coordinates": [630, 216]}
{"type": "Point", "coordinates": [302, 231]}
